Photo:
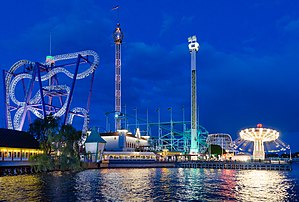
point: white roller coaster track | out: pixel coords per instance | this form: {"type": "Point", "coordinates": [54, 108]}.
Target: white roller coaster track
{"type": "Point", "coordinates": [13, 78]}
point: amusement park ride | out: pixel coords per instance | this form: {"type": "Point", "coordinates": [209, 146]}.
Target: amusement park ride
{"type": "Point", "coordinates": [193, 48]}
{"type": "Point", "coordinates": [40, 89]}
{"type": "Point", "coordinates": [260, 139]}
{"type": "Point", "coordinates": [118, 37]}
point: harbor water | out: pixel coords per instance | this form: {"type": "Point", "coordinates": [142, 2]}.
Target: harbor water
{"type": "Point", "coordinates": [154, 184]}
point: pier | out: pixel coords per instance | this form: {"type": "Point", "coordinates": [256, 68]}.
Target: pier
{"type": "Point", "coordinates": [264, 165]}
{"type": "Point", "coordinates": [16, 168]}
{"type": "Point", "coordinates": [137, 164]}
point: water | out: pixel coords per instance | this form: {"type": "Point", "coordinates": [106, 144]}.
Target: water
{"type": "Point", "coordinates": [154, 184]}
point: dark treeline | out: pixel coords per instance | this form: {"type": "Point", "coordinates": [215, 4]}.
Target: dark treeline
{"type": "Point", "coordinates": [59, 144]}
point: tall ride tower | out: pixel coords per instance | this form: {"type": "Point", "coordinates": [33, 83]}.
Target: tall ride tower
{"type": "Point", "coordinates": [193, 48]}
{"type": "Point", "coordinates": [118, 37]}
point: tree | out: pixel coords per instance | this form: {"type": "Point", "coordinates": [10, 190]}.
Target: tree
{"type": "Point", "coordinates": [45, 130]}
{"type": "Point", "coordinates": [69, 138]}
{"type": "Point", "coordinates": [215, 150]}
{"type": "Point", "coordinates": [59, 143]}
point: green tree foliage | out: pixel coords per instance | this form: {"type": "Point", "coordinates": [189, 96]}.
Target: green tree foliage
{"type": "Point", "coordinates": [69, 137]}
{"type": "Point", "coordinates": [59, 143]}
{"type": "Point", "coordinates": [44, 130]}
{"type": "Point", "coordinates": [215, 150]}
{"type": "Point", "coordinates": [43, 163]}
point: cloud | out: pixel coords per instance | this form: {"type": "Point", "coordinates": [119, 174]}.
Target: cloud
{"type": "Point", "coordinates": [292, 26]}
{"type": "Point", "coordinates": [187, 20]}
{"type": "Point", "coordinates": [167, 23]}
{"type": "Point", "coordinates": [71, 31]}
{"type": "Point", "coordinates": [150, 71]}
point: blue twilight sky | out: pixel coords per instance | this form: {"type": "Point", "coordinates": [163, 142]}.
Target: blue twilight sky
{"type": "Point", "coordinates": [248, 63]}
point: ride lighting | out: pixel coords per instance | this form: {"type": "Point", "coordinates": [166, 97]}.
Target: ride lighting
{"type": "Point", "coordinates": [259, 135]}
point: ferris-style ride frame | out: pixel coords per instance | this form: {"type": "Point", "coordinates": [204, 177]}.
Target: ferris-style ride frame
{"type": "Point", "coordinates": [40, 88]}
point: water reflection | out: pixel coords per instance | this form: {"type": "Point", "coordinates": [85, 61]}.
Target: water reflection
{"type": "Point", "coordinates": [260, 185]}
{"type": "Point", "coordinates": [14, 188]}
{"type": "Point", "coordinates": [161, 184]}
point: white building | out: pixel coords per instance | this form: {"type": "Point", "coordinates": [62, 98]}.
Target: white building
{"type": "Point", "coordinates": [124, 141]}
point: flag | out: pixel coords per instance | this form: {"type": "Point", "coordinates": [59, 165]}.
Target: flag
{"type": "Point", "coordinates": [115, 7]}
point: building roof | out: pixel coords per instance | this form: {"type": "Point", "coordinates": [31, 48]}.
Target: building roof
{"type": "Point", "coordinates": [17, 139]}
{"type": "Point", "coordinates": [127, 153]}
{"type": "Point", "coordinates": [116, 134]}
{"type": "Point", "coordinates": [109, 134]}
{"type": "Point", "coordinates": [94, 137]}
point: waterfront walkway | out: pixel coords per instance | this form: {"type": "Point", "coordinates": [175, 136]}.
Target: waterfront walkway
{"type": "Point", "coordinates": [15, 168]}
{"type": "Point", "coordinates": [137, 164]}
{"type": "Point", "coordinates": [239, 165]}
{"type": "Point", "coordinates": [264, 165]}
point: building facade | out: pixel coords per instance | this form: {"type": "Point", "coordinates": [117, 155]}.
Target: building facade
{"type": "Point", "coordinates": [123, 141]}
{"type": "Point", "coordinates": [17, 145]}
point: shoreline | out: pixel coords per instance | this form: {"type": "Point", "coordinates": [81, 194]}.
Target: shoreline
{"type": "Point", "coordinates": [21, 168]}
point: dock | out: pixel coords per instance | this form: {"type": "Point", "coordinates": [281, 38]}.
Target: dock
{"type": "Point", "coordinates": [137, 164]}
{"type": "Point", "coordinates": [15, 168]}
{"type": "Point", "coordinates": [238, 165]}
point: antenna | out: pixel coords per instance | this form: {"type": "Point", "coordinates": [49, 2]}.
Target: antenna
{"type": "Point", "coordinates": [49, 59]}
{"type": "Point", "coordinates": [117, 9]}
{"type": "Point", "coordinates": [50, 43]}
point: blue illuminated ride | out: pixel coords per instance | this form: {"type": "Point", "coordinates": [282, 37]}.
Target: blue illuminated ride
{"type": "Point", "coordinates": [40, 89]}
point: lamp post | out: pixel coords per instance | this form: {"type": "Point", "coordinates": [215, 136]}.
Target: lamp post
{"type": "Point", "coordinates": [107, 121]}
{"type": "Point", "coordinates": [290, 153]}
{"type": "Point", "coordinates": [159, 130]}
{"type": "Point", "coordinates": [171, 128]}
{"type": "Point", "coordinates": [136, 119]}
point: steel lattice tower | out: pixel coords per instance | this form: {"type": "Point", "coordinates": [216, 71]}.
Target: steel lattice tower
{"type": "Point", "coordinates": [193, 48]}
{"type": "Point", "coordinates": [118, 37]}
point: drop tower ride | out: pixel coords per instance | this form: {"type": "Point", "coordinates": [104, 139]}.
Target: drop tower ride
{"type": "Point", "coordinates": [118, 37]}
{"type": "Point", "coordinates": [193, 49]}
